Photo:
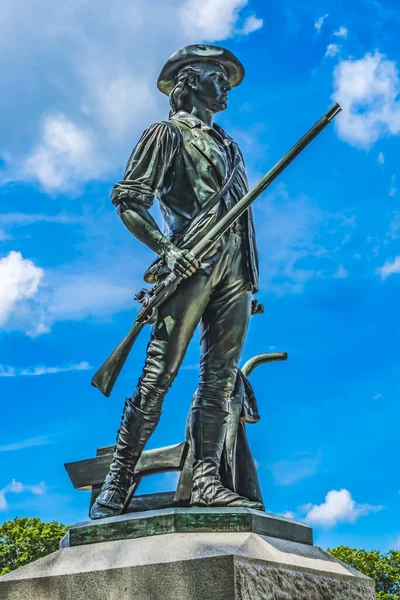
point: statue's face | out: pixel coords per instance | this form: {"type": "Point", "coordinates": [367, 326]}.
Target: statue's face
{"type": "Point", "coordinates": [211, 89]}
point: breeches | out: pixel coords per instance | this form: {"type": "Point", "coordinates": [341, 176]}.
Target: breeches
{"type": "Point", "coordinates": [221, 304]}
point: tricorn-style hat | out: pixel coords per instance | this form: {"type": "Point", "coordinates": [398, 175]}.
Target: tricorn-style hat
{"type": "Point", "coordinates": [198, 53]}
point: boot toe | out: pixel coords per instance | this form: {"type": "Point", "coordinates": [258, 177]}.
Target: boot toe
{"type": "Point", "coordinates": [257, 506]}
{"type": "Point", "coordinates": [214, 494]}
{"type": "Point", "coordinates": [109, 503]}
{"type": "Point", "coordinates": [102, 512]}
{"type": "Point", "coordinates": [241, 502]}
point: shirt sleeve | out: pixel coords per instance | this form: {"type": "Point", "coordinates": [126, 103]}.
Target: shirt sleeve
{"type": "Point", "coordinates": [147, 166]}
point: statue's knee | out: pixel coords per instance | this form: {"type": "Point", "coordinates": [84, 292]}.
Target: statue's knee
{"type": "Point", "coordinates": [220, 374]}
{"type": "Point", "coordinates": [157, 383]}
{"type": "Point", "coordinates": [164, 380]}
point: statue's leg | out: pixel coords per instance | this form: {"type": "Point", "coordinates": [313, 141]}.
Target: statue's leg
{"type": "Point", "coordinates": [171, 334]}
{"type": "Point", "coordinates": [224, 327]}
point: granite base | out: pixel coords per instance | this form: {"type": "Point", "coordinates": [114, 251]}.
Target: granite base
{"type": "Point", "coordinates": [202, 565]}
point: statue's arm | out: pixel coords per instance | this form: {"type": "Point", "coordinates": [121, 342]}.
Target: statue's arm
{"type": "Point", "coordinates": [144, 176]}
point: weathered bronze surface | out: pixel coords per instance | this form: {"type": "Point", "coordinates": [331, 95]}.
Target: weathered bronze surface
{"type": "Point", "coordinates": [188, 520]}
{"type": "Point", "coordinates": [237, 468]}
{"type": "Point", "coordinates": [205, 275]}
{"type": "Point", "coordinates": [85, 474]}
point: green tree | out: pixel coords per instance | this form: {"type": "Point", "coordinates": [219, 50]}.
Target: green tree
{"type": "Point", "coordinates": [383, 568]}
{"type": "Point", "coordinates": [25, 540]}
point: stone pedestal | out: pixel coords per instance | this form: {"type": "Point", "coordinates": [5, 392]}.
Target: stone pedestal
{"type": "Point", "coordinates": [188, 554]}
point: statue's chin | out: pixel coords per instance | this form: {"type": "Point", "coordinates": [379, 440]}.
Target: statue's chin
{"type": "Point", "coordinates": [221, 106]}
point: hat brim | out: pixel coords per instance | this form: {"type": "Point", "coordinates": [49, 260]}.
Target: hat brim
{"type": "Point", "coordinates": [199, 53]}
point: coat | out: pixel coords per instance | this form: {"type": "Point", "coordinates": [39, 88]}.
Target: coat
{"type": "Point", "coordinates": [184, 162]}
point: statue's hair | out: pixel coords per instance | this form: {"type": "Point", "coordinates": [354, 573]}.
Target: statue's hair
{"type": "Point", "coordinates": [179, 95]}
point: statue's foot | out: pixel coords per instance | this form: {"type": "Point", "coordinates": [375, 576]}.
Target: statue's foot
{"type": "Point", "coordinates": [100, 511]}
{"type": "Point", "coordinates": [112, 498]}
{"type": "Point", "coordinates": [216, 495]}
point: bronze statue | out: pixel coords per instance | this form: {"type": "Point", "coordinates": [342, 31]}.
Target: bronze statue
{"type": "Point", "coordinates": [197, 172]}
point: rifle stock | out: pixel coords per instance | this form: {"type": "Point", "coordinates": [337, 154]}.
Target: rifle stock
{"type": "Point", "coordinates": [105, 378]}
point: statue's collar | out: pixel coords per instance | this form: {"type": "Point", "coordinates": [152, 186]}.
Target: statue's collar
{"type": "Point", "coordinates": [192, 121]}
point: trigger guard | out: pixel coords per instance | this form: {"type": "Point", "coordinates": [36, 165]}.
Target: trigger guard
{"type": "Point", "coordinates": [152, 318]}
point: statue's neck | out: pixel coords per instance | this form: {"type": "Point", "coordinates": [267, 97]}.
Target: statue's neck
{"type": "Point", "coordinates": [203, 114]}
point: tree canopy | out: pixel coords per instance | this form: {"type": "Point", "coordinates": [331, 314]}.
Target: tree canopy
{"type": "Point", "coordinates": [383, 568]}
{"type": "Point", "coordinates": [25, 540]}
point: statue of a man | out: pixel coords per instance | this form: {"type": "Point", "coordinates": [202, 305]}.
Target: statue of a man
{"type": "Point", "coordinates": [195, 169]}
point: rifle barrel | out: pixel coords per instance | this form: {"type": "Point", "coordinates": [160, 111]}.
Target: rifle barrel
{"type": "Point", "coordinates": [227, 220]}
{"type": "Point", "coordinates": [106, 376]}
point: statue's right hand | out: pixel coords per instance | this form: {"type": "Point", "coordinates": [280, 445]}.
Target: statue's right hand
{"type": "Point", "coordinates": [181, 262]}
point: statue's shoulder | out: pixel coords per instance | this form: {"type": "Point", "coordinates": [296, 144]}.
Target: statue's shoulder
{"type": "Point", "coordinates": [162, 127]}
{"type": "Point", "coordinates": [162, 132]}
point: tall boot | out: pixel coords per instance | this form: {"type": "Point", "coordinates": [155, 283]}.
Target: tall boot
{"type": "Point", "coordinates": [133, 434]}
{"type": "Point", "coordinates": [207, 432]}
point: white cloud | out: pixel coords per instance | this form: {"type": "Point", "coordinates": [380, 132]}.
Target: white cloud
{"type": "Point", "coordinates": [367, 90]}
{"type": "Point", "coordinates": [11, 221]}
{"type": "Point", "coordinates": [30, 443]}
{"type": "Point", "coordinates": [378, 396]}
{"type": "Point", "coordinates": [289, 472]}
{"type": "Point", "coordinates": [251, 24]}
{"type": "Point", "coordinates": [287, 229]}
{"type": "Point", "coordinates": [339, 507]}
{"type": "Point", "coordinates": [389, 268]}
{"type": "Point", "coordinates": [288, 514]}
{"type": "Point", "coordinates": [42, 370]}
{"type": "Point", "coordinates": [341, 32]}
{"type": "Point", "coordinates": [88, 99]}
{"type": "Point", "coordinates": [19, 281]}
{"type": "Point", "coordinates": [7, 371]}
{"type": "Point", "coordinates": [332, 50]}
{"type": "Point", "coordinates": [214, 20]}
{"type": "Point", "coordinates": [66, 153]}
{"type": "Point", "coordinates": [92, 296]}
{"type": "Point", "coordinates": [393, 188]}
{"type": "Point", "coordinates": [62, 296]}
{"type": "Point", "coordinates": [118, 103]}
{"type": "Point", "coordinates": [394, 227]}
{"type": "Point", "coordinates": [298, 242]}
{"type": "Point", "coordinates": [16, 487]}
{"type": "Point", "coordinates": [381, 158]}
{"type": "Point", "coordinates": [39, 489]}
{"type": "Point", "coordinates": [194, 367]}
{"type": "Point", "coordinates": [25, 219]}
{"type": "Point", "coordinates": [341, 272]}
{"type": "Point", "coordinates": [319, 22]}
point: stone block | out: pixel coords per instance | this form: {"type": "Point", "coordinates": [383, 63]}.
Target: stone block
{"type": "Point", "coordinates": [188, 566]}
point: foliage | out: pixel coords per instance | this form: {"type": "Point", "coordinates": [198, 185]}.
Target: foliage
{"type": "Point", "coordinates": [383, 568]}
{"type": "Point", "coordinates": [25, 540]}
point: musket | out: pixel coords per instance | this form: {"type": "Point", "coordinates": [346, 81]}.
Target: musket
{"type": "Point", "coordinates": [105, 378]}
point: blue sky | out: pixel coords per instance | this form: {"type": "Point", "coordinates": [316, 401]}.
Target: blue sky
{"type": "Point", "coordinates": [77, 93]}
